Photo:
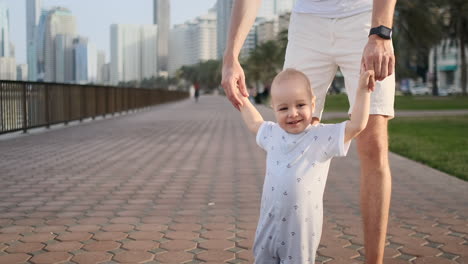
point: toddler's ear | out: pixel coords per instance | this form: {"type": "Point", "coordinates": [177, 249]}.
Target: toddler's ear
{"type": "Point", "coordinates": [313, 104]}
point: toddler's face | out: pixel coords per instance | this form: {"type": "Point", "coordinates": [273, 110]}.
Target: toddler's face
{"type": "Point", "coordinates": [292, 105]}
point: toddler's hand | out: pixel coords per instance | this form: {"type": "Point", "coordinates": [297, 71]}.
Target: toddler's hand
{"type": "Point", "coordinates": [367, 80]}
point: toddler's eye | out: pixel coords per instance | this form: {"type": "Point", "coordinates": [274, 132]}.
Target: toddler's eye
{"type": "Point", "coordinates": [300, 105]}
{"type": "Point", "coordinates": [283, 109]}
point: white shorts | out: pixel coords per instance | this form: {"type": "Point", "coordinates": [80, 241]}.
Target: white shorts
{"type": "Point", "coordinates": [318, 46]}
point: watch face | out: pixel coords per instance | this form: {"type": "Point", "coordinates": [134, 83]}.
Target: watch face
{"type": "Point", "coordinates": [386, 31]}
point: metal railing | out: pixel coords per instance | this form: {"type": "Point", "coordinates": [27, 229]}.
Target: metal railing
{"type": "Point", "coordinates": [25, 105]}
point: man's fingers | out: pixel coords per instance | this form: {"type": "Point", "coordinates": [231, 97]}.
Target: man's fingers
{"type": "Point", "coordinates": [363, 66]}
{"type": "Point", "coordinates": [371, 84]}
{"type": "Point", "coordinates": [384, 68]}
{"type": "Point", "coordinates": [369, 64]}
{"type": "Point", "coordinates": [391, 65]}
{"type": "Point", "coordinates": [234, 95]}
{"type": "Point", "coordinates": [377, 66]}
{"type": "Point", "coordinates": [242, 86]}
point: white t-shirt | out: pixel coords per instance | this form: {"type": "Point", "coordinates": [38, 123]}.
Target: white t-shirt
{"type": "Point", "coordinates": [291, 215]}
{"type": "Point", "coordinates": [333, 8]}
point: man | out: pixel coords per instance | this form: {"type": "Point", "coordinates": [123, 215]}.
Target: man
{"type": "Point", "coordinates": [324, 35]}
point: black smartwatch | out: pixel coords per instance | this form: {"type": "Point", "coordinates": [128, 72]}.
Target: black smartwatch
{"type": "Point", "coordinates": [381, 31]}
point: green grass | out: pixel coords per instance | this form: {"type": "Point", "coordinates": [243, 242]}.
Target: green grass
{"type": "Point", "coordinates": [340, 103]}
{"type": "Point", "coordinates": [439, 142]}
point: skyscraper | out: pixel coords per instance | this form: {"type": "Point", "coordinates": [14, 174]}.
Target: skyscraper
{"type": "Point", "coordinates": [284, 6]}
{"type": "Point", "coordinates": [59, 21]}
{"type": "Point", "coordinates": [85, 54]}
{"type": "Point", "coordinates": [22, 72]}
{"type": "Point", "coordinates": [101, 61]}
{"type": "Point", "coordinates": [40, 45]}
{"type": "Point", "coordinates": [33, 12]}
{"type": "Point", "coordinates": [4, 31]}
{"type": "Point", "coordinates": [64, 58]}
{"type": "Point", "coordinates": [193, 41]}
{"type": "Point", "coordinates": [162, 19]}
{"type": "Point", "coordinates": [133, 52]}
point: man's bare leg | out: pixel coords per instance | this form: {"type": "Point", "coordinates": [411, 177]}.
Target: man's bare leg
{"type": "Point", "coordinates": [376, 186]}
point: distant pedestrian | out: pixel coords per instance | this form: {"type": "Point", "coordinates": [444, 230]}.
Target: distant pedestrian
{"type": "Point", "coordinates": [197, 91]}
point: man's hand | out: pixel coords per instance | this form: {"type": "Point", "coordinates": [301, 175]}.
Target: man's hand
{"type": "Point", "coordinates": [233, 78]}
{"type": "Point", "coordinates": [378, 56]}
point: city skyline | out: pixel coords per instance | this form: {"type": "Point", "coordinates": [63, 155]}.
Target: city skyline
{"type": "Point", "coordinates": [98, 31]}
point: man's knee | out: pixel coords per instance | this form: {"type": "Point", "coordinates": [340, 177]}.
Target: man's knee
{"type": "Point", "coordinates": [373, 141]}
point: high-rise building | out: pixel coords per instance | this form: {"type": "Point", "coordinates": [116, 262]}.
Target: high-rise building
{"type": "Point", "coordinates": [85, 61]}
{"type": "Point", "coordinates": [162, 19]}
{"type": "Point", "coordinates": [267, 9]}
{"type": "Point", "coordinates": [33, 12]}
{"type": "Point", "coordinates": [250, 41]}
{"type": "Point", "coordinates": [194, 41]}
{"type": "Point", "coordinates": [267, 30]}
{"type": "Point", "coordinates": [59, 21]}
{"type": "Point", "coordinates": [64, 59]}
{"type": "Point", "coordinates": [178, 51]}
{"type": "Point", "coordinates": [22, 72]}
{"type": "Point", "coordinates": [7, 68]}
{"type": "Point", "coordinates": [284, 6]}
{"type": "Point", "coordinates": [133, 47]}
{"type": "Point", "coordinates": [4, 31]}
{"type": "Point", "coordinates": [12, 50]}
{"type": "Point", "coordinates": [101, 61]}
{"type": "Point", "coordinates": [149, 58]}
{"type": "Point", "coordinates": [106, 73]}
{"type": "Point", "coordinates": [223, 16]}
{"type": "Point", "coordinates": [40, 45]}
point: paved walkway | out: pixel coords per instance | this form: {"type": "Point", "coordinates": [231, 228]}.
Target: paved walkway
{"type": "Point", "coordinates": [181, 183]}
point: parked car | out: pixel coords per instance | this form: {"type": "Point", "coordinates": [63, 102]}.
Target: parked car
{"type": "Point", "coordinates": [419, 89]}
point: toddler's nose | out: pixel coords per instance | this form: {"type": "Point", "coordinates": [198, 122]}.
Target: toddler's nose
{"type": "Point", "coordinates": [293, 112]}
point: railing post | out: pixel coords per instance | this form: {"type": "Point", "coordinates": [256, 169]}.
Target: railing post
{"type": "Point", "coordinates": [47, 114]}
{"type": "Point", "coordinates": [115, 100]}
{"type": "Point", "coordinates": [25, 119]}
{"type": "Point", "coordinates": [81, 103]}
{"type": "Point", "coordinates": [1, 108]}
{"type": "Point", "coordinates": [95, 103]}
{"type": "Point", "coordinates": [68, 101]}
{"type": "Point", "coordinates": [106, 99]}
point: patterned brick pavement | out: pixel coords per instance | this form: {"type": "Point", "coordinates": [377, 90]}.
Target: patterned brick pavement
{"type": "Point", "coordinates": [181, 183]}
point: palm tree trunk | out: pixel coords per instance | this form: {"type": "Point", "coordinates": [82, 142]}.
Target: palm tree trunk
{"type": "Point", "coordinates": [435, 88]}
{"type": "Point", "coordinates": [463, 63]}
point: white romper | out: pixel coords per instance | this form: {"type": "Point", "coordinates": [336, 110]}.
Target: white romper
{"type": "Point", "coordinates": [291, 214]}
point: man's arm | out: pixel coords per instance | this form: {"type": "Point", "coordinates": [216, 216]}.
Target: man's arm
{"type": "Point", "coordinates": [250, 114]}
{"type": "Point", "coordinates": [378, 53]}
{"type": "Point", "coordinates": [360, 113]}
{"type": "Point", "coordinates": [233, 78]}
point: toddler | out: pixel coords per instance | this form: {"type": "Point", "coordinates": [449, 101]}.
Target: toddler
{"type": "Point", "coordinates": [297, 163]}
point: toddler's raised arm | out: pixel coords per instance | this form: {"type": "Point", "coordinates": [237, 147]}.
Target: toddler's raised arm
{"type": "Point", "coordinates": [360, 113]}
{"type": "Point", "coordinates": [250, 114]}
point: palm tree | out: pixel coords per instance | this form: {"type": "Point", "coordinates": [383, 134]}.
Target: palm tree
{"type": "Point", "coordinates": [416, 31]}
{"type": "Point", "coordinates": [264, 62]}
{"type": "Point", "coordinates": [455, 12]}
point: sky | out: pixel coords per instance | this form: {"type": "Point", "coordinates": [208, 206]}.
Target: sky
{"type": "Point", "coordinates": [94, 17]}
